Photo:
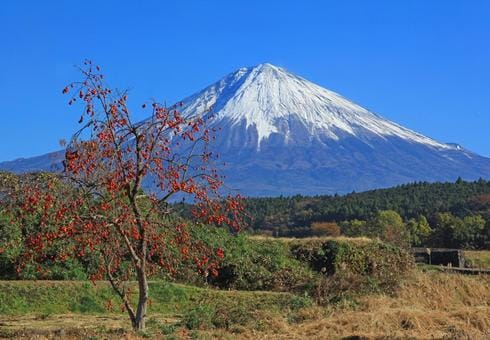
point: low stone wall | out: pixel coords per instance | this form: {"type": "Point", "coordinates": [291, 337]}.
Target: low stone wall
{"type": "Point", "coordinates": [440, 256]}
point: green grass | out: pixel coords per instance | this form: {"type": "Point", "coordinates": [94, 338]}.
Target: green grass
{"type": "Point", "coordinates": [46, 307]}
{"type": "Point", "coordinates": [478, 258]}
{"type": "Point", "coordinates": [77, 309]}
{"type": "Point", "coordinates": [62, 297]}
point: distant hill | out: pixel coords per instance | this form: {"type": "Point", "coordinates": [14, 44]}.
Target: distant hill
{"type": "Point", "coordinates": [294, 215]}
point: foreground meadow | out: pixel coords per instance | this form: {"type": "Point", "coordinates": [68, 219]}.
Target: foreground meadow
{"type": "Point", "coordinates": [430, 304]}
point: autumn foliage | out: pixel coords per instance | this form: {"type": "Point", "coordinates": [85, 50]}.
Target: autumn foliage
{"type": "Point", "coordinates": [97, 211]}
{"type": "Point", "coordinates": [325, 229]}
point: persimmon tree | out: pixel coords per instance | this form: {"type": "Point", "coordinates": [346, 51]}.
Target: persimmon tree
{"type": "Point", "coordinates": [97, 209]}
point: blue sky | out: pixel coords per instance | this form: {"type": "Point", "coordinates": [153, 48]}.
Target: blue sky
{"type": "Point", "coordinates": [424, 64]}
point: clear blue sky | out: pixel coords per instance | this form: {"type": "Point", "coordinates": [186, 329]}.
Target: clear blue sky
{"type": "Point", "coordinates": [424, 64]}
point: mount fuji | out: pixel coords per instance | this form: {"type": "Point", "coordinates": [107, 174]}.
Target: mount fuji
{"type": "Point", "coordinates": [283, 135]}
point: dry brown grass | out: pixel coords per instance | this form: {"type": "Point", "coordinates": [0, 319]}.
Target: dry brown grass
{"type": "Point", "coordinates": [66, 326]}
{"type": "Point", "coordinates": [430, 305]}
{"type": "Point", "coordinates": [73, 326]}
{"type": "Point", "coordinates": [355, 240]}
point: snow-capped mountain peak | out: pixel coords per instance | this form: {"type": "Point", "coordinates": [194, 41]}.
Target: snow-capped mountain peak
{"type": "Point", "coordinates": [284, 135]}
{"type": "Point", "coordinates": [267, 100]}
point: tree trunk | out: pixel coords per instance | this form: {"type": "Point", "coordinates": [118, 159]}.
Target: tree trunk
{"type": "Point", "coordinates": [140, 317]}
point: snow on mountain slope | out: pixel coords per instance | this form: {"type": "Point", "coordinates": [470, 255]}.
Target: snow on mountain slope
{"type": "Point", "coordinates": [283, 135]}
{"type": "Point", "coordinates": [266, 98]}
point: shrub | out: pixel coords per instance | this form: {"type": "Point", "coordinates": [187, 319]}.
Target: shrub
{"type": "Point", "coordinates": [353, 228]}
{"type": "Point", "coordinates": [355, 267]}
{"type": "Point", "coordinates": [260, 265]}
{"type": "Point", "coordinates": [325, 229]}
{"type": "Point", "coordinates": [219, 314]}
{"type": "Point", "coordinates": [388, 226]}
{"type": "Point", "coordinates": [199, 317]}
{"type": "Point", "coordinates": [251, 263]}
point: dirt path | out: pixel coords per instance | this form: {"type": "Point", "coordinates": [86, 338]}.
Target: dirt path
{"type": "Point", "coordinates": [71, 326]}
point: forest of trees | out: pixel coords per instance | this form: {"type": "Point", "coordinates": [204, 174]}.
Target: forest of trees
{"type": "Point", "coordinates": [450, 215]}
{"type": "Point", "coordinates": [425, 214]}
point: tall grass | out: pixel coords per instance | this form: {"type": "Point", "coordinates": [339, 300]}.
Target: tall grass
{"type": "Point", "coordinates": [478, 258]}
{"type": "Point", "coordinates": [428, 305]}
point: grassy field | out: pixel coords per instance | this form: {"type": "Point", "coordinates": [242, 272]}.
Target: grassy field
{"type": "Point", "coordinates": [355, 240]}
{"type": "Point", "coordinates": [429, 305]}
{"type": "Point", "coordinates": [60, 297]}
{"type": "Point", "coordinates": [478, 258]}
